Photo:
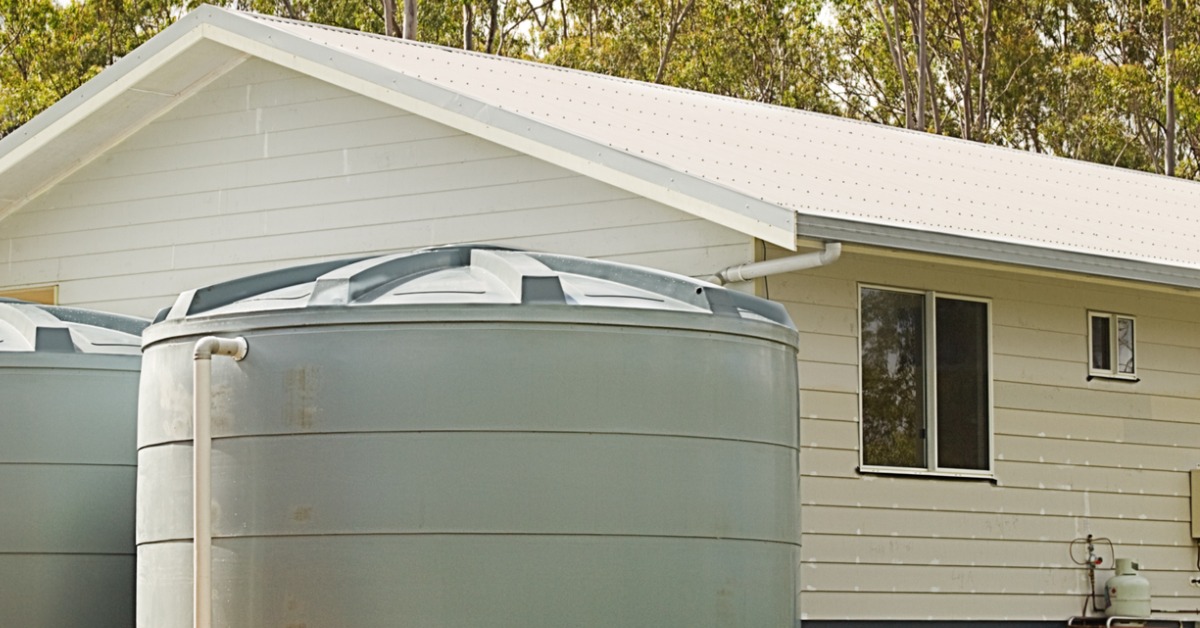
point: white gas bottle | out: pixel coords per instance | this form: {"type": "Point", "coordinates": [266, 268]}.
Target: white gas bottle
{"type": "Point", "coordinates": [1128, 593]}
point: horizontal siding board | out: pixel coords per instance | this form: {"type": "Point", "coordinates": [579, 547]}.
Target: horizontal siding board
{"type": "Point", "coordinates": [823, 319]}
{"type": "Point", "coordinates": [981, 605]}
{"type": "Point", "coordinates": [826, 462]}
{"type": "Point", "coordinates": [121, 239]}
{"type": "Point", "coordinates": [1159, 356]}
{"type": "Point", "coordinates": [827, 348]}
{"type": "Point", "coordinates": [120, 263]}
{"type": "Point", "coordinates": [828, 405]}
{"type": "Point", "coordinates": [870, 550]}
{"type": "Point", "coordinates": [612, 243]}
{"type": "Point", "coordinates": [443, 165]}
{"type": "Point", "coordinates": [1016, 396]}
{"type": "Point", "coordinates": [691, 261]}
{"type": "Point", "coordinates": [466, 202]}
{"type": "Point", "coordinates": [390, 184]}
{"type": "Point", "coordinates": [398, 128]}
{"type": "Point", "coordinates": [1034, 343]}
{"type": "Point", "coordinates": [1074, 477]}
{"type": "Point", "coordinates": [816, 433]}
{"type": "Point", "coordinates": [1172, 457]}
{"type": "Point", "coordinates": [828, 377]}
{"type": "Point", "coordinates": [808, 287]}
{"type": "Point", "coordinates": [191, 130]}
{"type": "Point", "coordinates": [902, 522]}
{"type": "Point", "coordinates": [895, 578]}
{"type": "Point", "coordinates": [923, 494]}
{"type": "Point", "coordinates": [40, 219]}
{"type": "Point", "coordinates": [1060, 425]}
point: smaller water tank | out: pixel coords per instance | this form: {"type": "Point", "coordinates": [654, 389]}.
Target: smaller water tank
{"type": "Point", "coordinates": [1128, 593]}
{"type": "Point", "coordinates": [68, 412]}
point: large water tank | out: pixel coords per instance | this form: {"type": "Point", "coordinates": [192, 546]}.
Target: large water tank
{"type": "Point", "coordinates": [469, 436]}
{"type": "Point", "coordinates": [68, 407]}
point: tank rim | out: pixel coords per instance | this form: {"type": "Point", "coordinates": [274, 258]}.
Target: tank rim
{"type": "Point", "coordinates": [72, 361]}
{"type": "Point", "coordinates": [310, 317]}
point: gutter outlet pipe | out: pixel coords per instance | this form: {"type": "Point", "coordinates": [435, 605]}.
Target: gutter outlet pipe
{"type": "Point", "coordinates": [754, 270]}
{"type": "Point", "coordinates": [205, 349]}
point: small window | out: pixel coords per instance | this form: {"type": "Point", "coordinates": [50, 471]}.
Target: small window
{"type": "Point", "coordinates": [47, 295]}
{"type": "Point", "coordinates": [1111, 350]}
{"type": "Point", "coordinates": [926, 383]}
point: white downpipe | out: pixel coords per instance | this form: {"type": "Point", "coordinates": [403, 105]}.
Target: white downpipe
{"type": "Point", "coordinates": [754, 270]}
{"type": "Point", "coordinates": [202, 355]}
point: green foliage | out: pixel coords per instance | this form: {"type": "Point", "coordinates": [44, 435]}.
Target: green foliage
{"type": "Point", "coordinates": [1077, 78]}
{"type": "Point", "coordinates": [47, 50]}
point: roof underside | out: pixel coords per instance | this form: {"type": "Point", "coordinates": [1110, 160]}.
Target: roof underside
{"type": "Point", "coordinates": [771, 172]}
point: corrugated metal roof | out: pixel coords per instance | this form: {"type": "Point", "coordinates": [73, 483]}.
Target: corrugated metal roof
{"type": "Point", "coordinates": [822, 165]}
{"type": "Point", "coordinates": [768, 171]}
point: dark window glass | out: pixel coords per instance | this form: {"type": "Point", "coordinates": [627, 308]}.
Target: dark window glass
{"type": "Point", "coordinates": [893, 378]}
{"type": "Point", "coordinates": [962, 385]}
{"type": "Point", "coordinates": [1101, 349]}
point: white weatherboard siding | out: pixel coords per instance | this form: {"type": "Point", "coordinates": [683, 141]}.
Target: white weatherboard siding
{"type": "Point", "coordinates": [265, 168]}
{"type": "Point", "coordinates": [1072, 457]}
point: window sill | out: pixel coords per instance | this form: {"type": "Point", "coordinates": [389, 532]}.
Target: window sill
{"type": "Point", "coordinates": [1133, 379]}
{"type": "Point", "coordinates": [986, 476]}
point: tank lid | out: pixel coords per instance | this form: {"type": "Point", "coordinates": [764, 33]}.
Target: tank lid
{"type": "Point", "coordinates": [470, 275]}
{"type": "Point", "coordinates": [29, 327]}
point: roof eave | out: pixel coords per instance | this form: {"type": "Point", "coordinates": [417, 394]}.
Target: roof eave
{"type": "Point", "coordinates": [965, 247]}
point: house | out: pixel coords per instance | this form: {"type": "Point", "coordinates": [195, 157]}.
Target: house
{"type": "Point", "coordinates": [1004, 359]}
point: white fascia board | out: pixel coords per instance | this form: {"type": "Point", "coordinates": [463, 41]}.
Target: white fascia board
{"type": "Point", "coordinates": [907, 239]}
{"type": "Point", "coordinates": [754, 217]}
{"type": "Point", "coordinates": [103, 90]}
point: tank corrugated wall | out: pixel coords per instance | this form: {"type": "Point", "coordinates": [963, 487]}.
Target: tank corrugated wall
{"type": "Point", "coordinates": [67, 484]}
{"type": "Point", "coordinates": [529, 466]}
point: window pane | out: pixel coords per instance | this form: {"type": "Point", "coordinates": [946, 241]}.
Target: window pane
{"type": "Point", "coordinates": [1125, 345]}
{"type": "Point", "coordinates": [1101, 361]}
{"type": "Point", "coordinates": [962, 385]}
{"type": "Point", "coordinates": [893, 378]}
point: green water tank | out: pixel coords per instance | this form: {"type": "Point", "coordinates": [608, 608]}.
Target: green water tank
{"type": "Point", "coordinates": [472, 436]}
{"type": "Point", "coordinates": [68, 408]}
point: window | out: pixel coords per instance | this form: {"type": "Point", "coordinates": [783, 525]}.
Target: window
{"type": "Point", "coordinates": [926, 382]}
{"type": "Point", "coordinates": [1110, 346]}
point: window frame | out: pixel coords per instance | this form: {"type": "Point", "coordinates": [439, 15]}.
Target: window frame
{"type": "Point", "coordinates": [930, 410]}
{"type": "Point", "coordinates": [1113, 346]}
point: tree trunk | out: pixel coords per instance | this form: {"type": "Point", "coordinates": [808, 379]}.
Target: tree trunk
{"type": "Point", "coordinates": [1169, 92]}
{"type": "Point", "coordinates": [410, 19]}
{"type": "Point", "coordinates": [895, 47]}
{"type": "Point", "coordinates": [389, 18]}
{"type": "Point", "coordinates": [673, 29]}
{"type": "Point", "coordinates": [468, 30]}
{"type": "Point", "coordinates": [985, 62]}
{"type": "Point", "coordinates": [922, 66]}
{"type": "Point", "coordinates": [493, 24]}
{"type": "Point", "coordinates": [968, 110]}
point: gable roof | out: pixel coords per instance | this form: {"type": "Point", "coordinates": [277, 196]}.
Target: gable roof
{"type": "Point", "coordinates": [770, 172]}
